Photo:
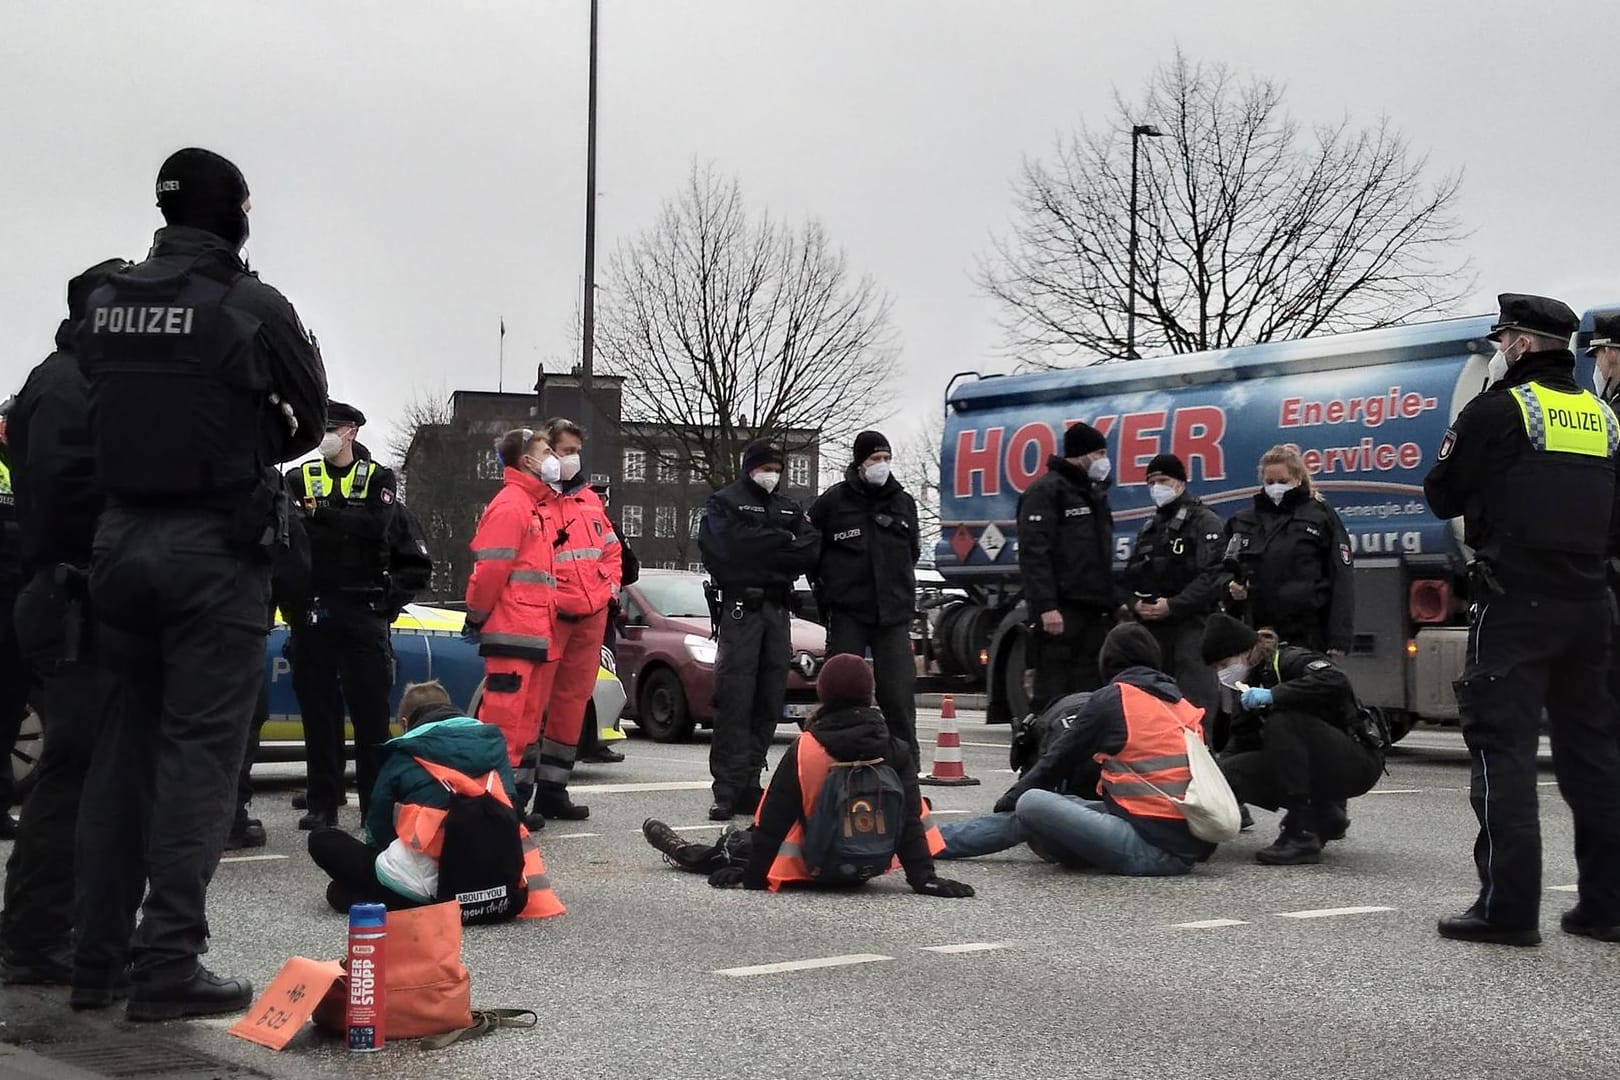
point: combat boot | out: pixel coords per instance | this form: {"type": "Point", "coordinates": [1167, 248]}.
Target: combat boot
{"type": "Point", "coordinates": [1298, 843]}
{"type": "Point", "coordinates": [551, 801]}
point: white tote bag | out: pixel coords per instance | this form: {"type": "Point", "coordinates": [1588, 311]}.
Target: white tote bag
{"type": "Point", "coordinates": [1211, 810]}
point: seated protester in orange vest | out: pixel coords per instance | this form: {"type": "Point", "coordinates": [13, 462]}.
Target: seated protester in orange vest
{"type": "Point", "coordinates": [843, 806]}
{"type": "Point", "coordinates": [440, 825]}
{"type": "Point", "coordinates": [1299, 740]}
{"type": "Point", "coordinates": [1132, 727]}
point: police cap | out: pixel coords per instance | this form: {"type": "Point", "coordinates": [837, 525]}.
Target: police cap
{"type": "Point", "coordinates": [1534, 315]}
{"type": "Point", "coordinates": [1605, 332]}
{"type": "Point", "coordinates": [339, 414]}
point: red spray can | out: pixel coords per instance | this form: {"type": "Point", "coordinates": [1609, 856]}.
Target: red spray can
{"type": "Point", "coordinates": [363, 1015]}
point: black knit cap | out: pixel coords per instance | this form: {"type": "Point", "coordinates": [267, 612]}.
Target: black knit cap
{"type": "Point", "coordinates": [844, 683]}
{"type": "Point", "coordinates": [1083, 439]}
{"type": "Point", "coordinates": [1168, 465]}
{"type": "Point", "coordinates": [1129, 645]}
{"type": "Point", "coordinates": [1225, 636]}
{"type": "Point", "coordinates": [868, 443]}
{"type": "Point", "coordinates": [200, 189]}
{"type": "Point", "coordinates": [337, 413]}
{"type": "Point", "coordinates": [763, 452]}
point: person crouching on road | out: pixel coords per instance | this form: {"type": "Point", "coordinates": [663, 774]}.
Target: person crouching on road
{"type": "Point", "coordinates": [1132, 727]}
{"type": "Point", "coordinates": [512, 594]}
{"type": "Point", "coordinates": [846, 733]}
{"type": "Point", "coordinates": [1299, 741]}
{"type": "Point", "coordinates": [411, 846]}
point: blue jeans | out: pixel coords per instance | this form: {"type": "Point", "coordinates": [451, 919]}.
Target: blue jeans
{"type": "Point", "coordinates": [1075, 831]}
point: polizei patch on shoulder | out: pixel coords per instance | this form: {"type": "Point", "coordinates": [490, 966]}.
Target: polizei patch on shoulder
{"type": "Point", "coordinates": [1447, 443]}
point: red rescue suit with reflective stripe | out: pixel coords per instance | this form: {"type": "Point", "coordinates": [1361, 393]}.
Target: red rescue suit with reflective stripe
{"type": "Point", "coordinates": [1152, 768]}
{"type": "Point", "coordinates": [421, 828]}
{"type": "Point", "coordinates": [589, 560]}
{"type": "Point", "coordinates": [814, 763]}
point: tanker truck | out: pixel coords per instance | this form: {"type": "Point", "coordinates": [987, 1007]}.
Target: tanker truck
{"type": "Point", "coordinates": [1367, 412]}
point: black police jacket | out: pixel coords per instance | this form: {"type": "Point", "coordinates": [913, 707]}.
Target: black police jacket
{"type": "Point", "coordinates": [869, 549]}
{"type": "Point", "coordinates": [1300, 680]}
{"type": "Point", "coordinates": [53, 465]}
{"type": "Point", "coordinates": [1295, 559]}
{"type": "Point", "coordinates": [1066, 542]}
{"type": "Point", "coordinates": [750, 539]}
{"type": "Point", "coordinates": [1472, 479]}
{"type": "Point", "coordinates": [369, 547]}
{"type": "Point", "coordinates": [10, 540]}
{"type": "Point", "coordinates": [1178, 558]}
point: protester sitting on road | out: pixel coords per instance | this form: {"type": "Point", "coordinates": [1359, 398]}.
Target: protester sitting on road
{"type": "Point", "coordinates": [1299, 740]}
{"type": "Point", "coordinates": [436, 826]}
{"type": "Point", "coordinates": [1133, 728]}
{"type": "Point", "coordinates": [843, 806]}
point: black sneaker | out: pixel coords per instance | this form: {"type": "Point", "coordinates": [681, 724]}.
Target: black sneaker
{"type": "Point", "coordinates": [1472, 926]}
{"type": "Point", "coordinates": [204, 994]}
{"type": "Point", "coordinates": [553, 803]}
{"type": "Point", "coordinates": [318, 819]}
{"type": "Point", "coordinates": [601, 755]}
{"type": "Point", "coordinates": [37, 970]}
{"type": "Point", "coordinates": [720, 811]}
{"type": "Point", "coordinates": [1575, 921]}
{"type": "Point", "coordinates": [1332, 820]}
{"type": "Point", "coordinates": [1292, 848]}
{"type": "Point", "coordinates": [247, 833]}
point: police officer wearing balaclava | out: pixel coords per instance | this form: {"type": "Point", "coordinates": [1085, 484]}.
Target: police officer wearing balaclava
{"type": "Point", "coordinates": [13, 673]}
{"type": "Point", "coordinates": [1529, 467]}
{"type": "Point", "coordinates": [755, 544]}
{"type": "Point", "coordinates": [201, 380]}
{"type": "Point", "coordinates": [366, 564]}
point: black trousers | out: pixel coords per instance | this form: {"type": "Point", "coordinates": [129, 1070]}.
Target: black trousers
{"type": "Point", "coordinates": [1181, 642]}
{"type": "Point", "coordinates": [1066, 663]}
{"type": "Point", "coordinates": [893, 668]}
{"type": "Point", "coordinates": [345, 658]}
{"type": "Point", "coordinates": [181, 621]}
{"type": "Point", "coordinates": [14, 684]}
{"type": "Point", "coordinates": [244, 779]}
{"type": "Point", "coordinates": [1303, 761]}
{"type": "Point", "coordinates": [1526, 655]}
{"type": "Point", "coordinates": [71, 699]}
{"type": "Point", "coordinates": [750, 686]}
{"type": "Point", "coordinates": [351, 863]}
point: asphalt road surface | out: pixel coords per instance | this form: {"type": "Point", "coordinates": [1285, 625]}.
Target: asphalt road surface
{"type": "Point", "coordinates": [1236, 971]}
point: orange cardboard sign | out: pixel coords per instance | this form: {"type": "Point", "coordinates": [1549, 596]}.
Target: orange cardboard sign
{"type": "Point", "coordinates": [287, 1005]}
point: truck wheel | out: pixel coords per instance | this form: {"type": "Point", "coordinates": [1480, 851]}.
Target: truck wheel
{"type": "Point", "coordinates": [1016, 662]}
{"type": "Point", "coordinates": [662, 711]}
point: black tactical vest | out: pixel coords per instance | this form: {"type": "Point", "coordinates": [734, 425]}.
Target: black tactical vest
{"type": "Point", "coordinates": [177, 386]}
{"type": "Point", "coordinates": [1557, 496]}
{"type": "Point", "coordinates": [348, 535]}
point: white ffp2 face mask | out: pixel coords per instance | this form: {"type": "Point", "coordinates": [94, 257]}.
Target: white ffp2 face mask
{"type": "Point", "coordinates": [877, 474]}
{"type": "Point", "coordinates": [1498, 369]}
{"type": "Point", "coordinates": [1232, 674]}
{"type": "Point", "coordinates": [1162, 494]}
{"type": "Point", "coordinates": [766, 480]}
{"type": "Point", "coordinates": [331, 445]}
{"type": "Point", "coordinates": [570, 466]}
{"type": "Point", "coordinates": [1100, 470]}
{"type": "Point", "coordinates": [551, 470]}
{"type": "Point", "coordinates": [1276, 492]}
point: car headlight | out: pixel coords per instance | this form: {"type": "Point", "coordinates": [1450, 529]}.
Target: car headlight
{"type": "Point", "coordinates": [701, 648]}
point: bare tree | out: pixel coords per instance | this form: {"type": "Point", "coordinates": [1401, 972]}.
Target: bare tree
{"type": "Point", "coordinates": [444, 487]}
{"type": "Point", "coordinates": [917, 463]}
{"type": "Point", "coordinates": [731, 327]}
{"type": "Point", "coordinates": [1251, 228]}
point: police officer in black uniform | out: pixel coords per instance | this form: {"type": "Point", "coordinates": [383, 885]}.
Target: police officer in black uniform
{"type": "Point", "coordinates": [13, 672]}
{"type": "Point", "coordinates": [866, 581]}
{"type": "Point", "coordinates": [755, 544]}
{"type": "Point", "coordinates": [58, 500]}
{"type": "Point", "coordinates": [201, 379]}
{"type": "Point", "coordinates": [1529, 466]}
{"type": "Point", "coordinates": [1604, 349]}
{"type": "Point", "coordinates": [1066, 557]}
{"type": "Point", "coordinates": [367, 561]}
{"type": "Point", "coordinates": [1177, 577]}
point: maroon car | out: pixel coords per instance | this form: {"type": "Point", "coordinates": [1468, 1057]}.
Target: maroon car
{"type": "Point", "coordinates": [666, 657]}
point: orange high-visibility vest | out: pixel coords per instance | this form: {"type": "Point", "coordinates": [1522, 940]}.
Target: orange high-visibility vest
{"type": "Point", "coordinates": [814, 764]}
{"type": "Point", "coordinates": [1152, 767]}
{"type": "Point", "coordinates": [422, 829]}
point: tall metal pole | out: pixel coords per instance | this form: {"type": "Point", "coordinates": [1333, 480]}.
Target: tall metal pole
{"type": "Point", "coordinates": [587, 347]}
{"type": "Point", "coordinates": [1130, 306]}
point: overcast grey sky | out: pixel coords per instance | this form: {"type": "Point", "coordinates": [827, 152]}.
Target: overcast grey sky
{"type": "Point", "coordinates": [418, 168]}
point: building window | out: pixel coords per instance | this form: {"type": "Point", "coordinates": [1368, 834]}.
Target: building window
{"type": "Point", "coordinates": [664, 525]}
{"type": "Point", "coordinates": [694, 519]}
{"type": "Point", "coordinates": [669, 472]}
{"type": "Point", "coordinates": [798, 470]}
{"type": "Point", "coordinates": [669, 566]}
{"type": "Point", "coordinates": [635, 467]}
{"type": "Point", "coordinates": [489, 466]}
{"type": "Point", "coordinates": [632, 522]}
{"type": "Point", "coordinates": [695, 567]}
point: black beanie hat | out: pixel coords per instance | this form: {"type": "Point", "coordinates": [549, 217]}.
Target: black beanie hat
{"type": "Point", "coordinates": [1225, 636]}
{"type": "Point", "coordinates": [202, 190]}
{"type": "Point", "coordinates": [1169, 465]}
{"type": "Point", "coordinates": [844, 683]}
{"type": "Point", "coordinates": [1083, 439]}
{"type": "Point", "coordinates": [1129, 645]}
{"type": "Point", "coordinates": [760, 453]}
{"type": "Point", "coordinates": [868, 443]}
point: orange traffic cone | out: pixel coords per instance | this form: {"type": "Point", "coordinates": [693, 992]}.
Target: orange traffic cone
{"type": "Point", "coordinates": [948, 769]}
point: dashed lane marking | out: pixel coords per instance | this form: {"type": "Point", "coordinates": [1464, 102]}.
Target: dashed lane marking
{"type": "Point", "coordinates": [574, 835]}
{"type": "Point", "coordinates": [1208, 924]}
{"type": "Point", "coordinates": [1563, 888]}
{"type": "Point", "coordinates": [1394, 791]}
{"type": "Point", "coordinates": [802, 965]}
{"type": "Point", "coordinates": [987, 745]}
{"type": "Point", "coordinates": [1331, 912]}
{"type": "Point", "coordinates": [968, 947]}
{"type": "Point", "coordinates": [619, 789]}
{"type": "Point", "coordinates": [251, 858]}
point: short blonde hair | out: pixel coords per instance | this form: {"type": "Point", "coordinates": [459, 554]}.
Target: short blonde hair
{"type": "Point", "coordinates": [418, 696]}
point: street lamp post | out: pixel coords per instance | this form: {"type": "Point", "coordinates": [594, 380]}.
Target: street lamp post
{"type": "Point", "coordinates": [1137, 133]}
{"type": "Point", "coordinates": [588, 351]}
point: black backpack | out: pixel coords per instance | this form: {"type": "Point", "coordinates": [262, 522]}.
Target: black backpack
{"type": "Point", "coordinates": [855, 830]}
{"type": "Point", "coordinates": [481, 860]}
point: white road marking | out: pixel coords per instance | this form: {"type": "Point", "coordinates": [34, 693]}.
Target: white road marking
{"type": "Point", "coordinates": [1208, 924]}
{"type": "Point", "coordinates": [1563, 888]}
{"type": "Point", "coordinates": [801, 965]}
{"type": "Point", "coordinates": [1328, 913]}
{"type": "Point", "coordinates": [937, 812]}
{"type": "Point", "coordinates": [222, 1023]}
{"type": "Point", "coordinates": [572, 835]}
{"type": "Point", "coordinates": [988, 745]}
{"type": "Point", "coordinates": [691, 828]}
{"type": "Point", "coordinates": [968, 947]}
{"type": "Point", "coordinates": [251, 858]}
{"type": "Point", "coordinates": [1394, 791]}
{"type": "Point", "coordinates": [619, 789]}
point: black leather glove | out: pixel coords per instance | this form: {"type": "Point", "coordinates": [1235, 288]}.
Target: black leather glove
{"type": "Point", "coordinates": [730, 877]}
{"type": "Point", "coordinates": [1007, 802]}
{"type": "Point", "coordinates": [938, 886]}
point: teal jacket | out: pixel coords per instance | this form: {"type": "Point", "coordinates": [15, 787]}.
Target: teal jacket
{"type": "Point", "coordinates": [460, 743]}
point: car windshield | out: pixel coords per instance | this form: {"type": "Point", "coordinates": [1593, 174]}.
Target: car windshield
{"type": "Point", "coordinates": [676, 596]}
